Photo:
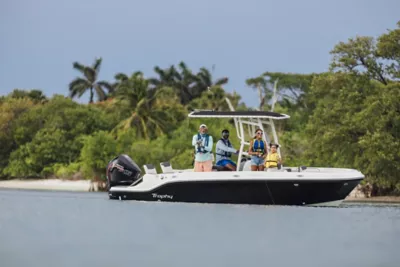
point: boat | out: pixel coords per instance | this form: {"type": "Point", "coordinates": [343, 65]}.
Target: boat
{"type": "Point", "coordinates": [294, 186]}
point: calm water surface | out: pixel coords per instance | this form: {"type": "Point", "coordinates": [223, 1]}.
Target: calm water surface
{"type": "Point", "coordinates": [42, 228]}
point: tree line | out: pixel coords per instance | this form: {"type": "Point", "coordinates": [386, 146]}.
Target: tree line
{"type": "Point", "coordinates": [346, 117]}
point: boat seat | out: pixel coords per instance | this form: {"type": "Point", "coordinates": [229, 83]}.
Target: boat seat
{"type": "Point", "coordinates": [302, 168]}
{"type": "Point", "coordinates": [245, 166]}
{"type": "Point", "coordinates": [219, 168]}
{"type": "Point", "coordinates": [149, 169]}
{"type": "Point", "coordinates": [166, 167]}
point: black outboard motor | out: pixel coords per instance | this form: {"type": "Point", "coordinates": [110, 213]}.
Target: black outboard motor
{"type": "Point", "coordinates": [122, 170]}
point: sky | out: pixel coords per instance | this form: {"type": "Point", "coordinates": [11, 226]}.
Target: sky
{"type": "Point", "coordinates": [39, 40]}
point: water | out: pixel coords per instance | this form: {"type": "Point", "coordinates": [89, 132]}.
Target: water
{"type": "Point", "coordinates": [42, 228]}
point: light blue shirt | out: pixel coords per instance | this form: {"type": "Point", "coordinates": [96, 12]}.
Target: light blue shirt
{"type": "Point", "coordinates": [203, 156]}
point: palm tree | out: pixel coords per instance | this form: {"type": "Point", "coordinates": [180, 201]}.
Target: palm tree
{"type": "Point", "coordinates": [89, 82]}
{"type": "Point", "coordinates": [188, 84]}
{"type": "Point", "coordinates": [180, 81]}
{"type": "Point", "coordinates": [204, 81]}
{"type": "Point", "coordinates": [213, 99]}
{"type": "Point", "coordinates": [165, 77]}
{"type": "Point", "coordinates": [133, 88]}
{"type": "Point", "coordinates": [152, 115]}
{"type": "Point", "coordinates": [185, 80]}
{"type": "Point", "coordinates": [151, 111]}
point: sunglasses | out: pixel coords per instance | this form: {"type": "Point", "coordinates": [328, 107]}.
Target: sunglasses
{"type": "Point", "coordinates": [259, 133]}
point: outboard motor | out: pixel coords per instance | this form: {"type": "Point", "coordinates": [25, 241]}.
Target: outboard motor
{"type": "Point", "coordinates": [122, 170]}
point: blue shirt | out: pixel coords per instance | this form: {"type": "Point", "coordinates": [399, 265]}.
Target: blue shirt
{"type": "Point", "coordinates": [199, 155]}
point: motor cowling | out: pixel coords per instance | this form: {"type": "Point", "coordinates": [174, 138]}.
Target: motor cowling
{"type": "Point", "coordinates": [122, 170]}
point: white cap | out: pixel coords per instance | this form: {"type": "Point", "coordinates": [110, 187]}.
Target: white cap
{"type": "Point", "coordinates": [203, 125]}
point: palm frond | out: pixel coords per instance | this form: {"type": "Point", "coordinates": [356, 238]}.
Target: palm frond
{"type": "Point", "coordinates": [78, 87]}
{"type": "Point", "coordinates": [154, 81]}
{"type": "Point", "coordinates": [101, 95]}
{"type": "Point", "coordinates": [97, 64]}
{"type": "Point", "coordinates": [121, 77]}
{"type": "Point", "coordinates": [144, 128]}
{"type": "Point", "coordinates": [222, 81]}
{"type": "Point", "coordinates": [106, 85]}
{"type": "Point", "coordinates": [182, 65]}
{"type": "Point", "coordinates": [137, 74]}
{"type": "Point", "coordinates": [127, 123]}
{"type": "Point", "coordinates": [160, 72]}
{"type": "Point", "coordinates": [78, 66]}
{"type": "Point", "coordinates": [78, 90]}
{"type": "Point", "coordinates": [205, 77]}
{"type": "Point", "coordinates": [90, 74]}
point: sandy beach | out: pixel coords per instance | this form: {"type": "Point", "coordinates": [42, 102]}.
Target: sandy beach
{"type": "Point", "coordinates": [48, 184]}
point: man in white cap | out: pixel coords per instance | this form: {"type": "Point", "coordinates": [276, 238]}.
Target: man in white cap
{"type": "Point", "coordinates": [203, 144]}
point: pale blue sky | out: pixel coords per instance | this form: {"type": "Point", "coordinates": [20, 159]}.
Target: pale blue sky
{"type": "Point", "coordinates": [39, 39]}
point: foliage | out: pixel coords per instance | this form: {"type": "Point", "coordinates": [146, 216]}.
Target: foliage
{"type": "Point", "coordinates": [10, 110]}
{"type": "Point", "coordinates": [98, 149]}
{"type": "Point", "coordinates": [347, 117]}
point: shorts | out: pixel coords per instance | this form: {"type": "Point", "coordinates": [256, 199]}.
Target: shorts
{"type": "Point", "coordinates": [203, 166]}
{"type": "Point", "coordinates": [258, 161]}
{"type": "Point", "coordinates": [224, 162]}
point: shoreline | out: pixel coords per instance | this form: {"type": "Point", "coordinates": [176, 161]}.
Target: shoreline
{"type": "Point", "coordinates": [89, 186]}
{"type": "Point", "coordinates": [50, 184]}
{"type": "Point", "coordinates": [377, 199]}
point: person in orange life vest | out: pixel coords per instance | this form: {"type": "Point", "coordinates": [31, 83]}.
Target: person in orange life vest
{"type": "Point", "coordinates": [257, 151]}
{"type": "Point", "coordinates": [203, 144]}
{"type": "Point", "coordinates": [272, 160]}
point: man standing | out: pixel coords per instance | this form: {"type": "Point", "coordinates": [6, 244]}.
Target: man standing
{"type": "Point", "coordinates": [203, 144]}
{"type": "Point", "coordinates": [224, 152]}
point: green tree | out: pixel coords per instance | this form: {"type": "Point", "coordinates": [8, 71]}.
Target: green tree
{"type": "Point", "coordinates": [35, 95]}
{"type": "Point", "coordinates": [388, 47]}
{"type": "Point", "coordinates": [48, 147]}
{"type": "Point", "coordinates": [51, 134]}
{"type": "Point", "coordinates": [10, 110]}
{"type": "Point", "coordinates": [359, 55]}
{"type": "Point", "coordinates": [380, 145]}
{"type": "Point", "coordinates": [356, 124]}
{"type": "Point", "coordinates": [98, 149]}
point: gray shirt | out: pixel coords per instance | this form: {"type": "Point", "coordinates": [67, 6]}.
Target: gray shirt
{"type": "Point", "coordinates": [223, 147]}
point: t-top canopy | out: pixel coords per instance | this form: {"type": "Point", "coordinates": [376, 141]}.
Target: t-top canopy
{"type": "Point", "coordinates": [238, 114]}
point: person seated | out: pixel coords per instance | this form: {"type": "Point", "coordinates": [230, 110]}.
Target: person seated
{"type": "Point", "coordinates": [273, 160]}
{"type": "Point", "coordinates": [257, 151]}
{"type": "Point", "coordinates": [224, 152]}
